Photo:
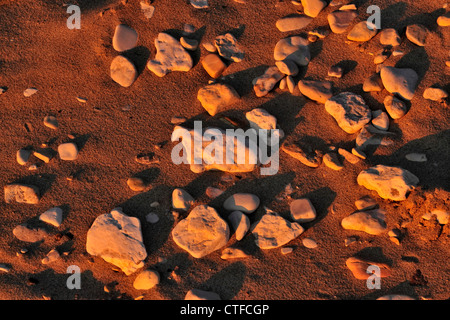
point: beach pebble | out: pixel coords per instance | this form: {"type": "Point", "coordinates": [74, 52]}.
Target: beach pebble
{"type": "Point", "coordinates": [259, 118]}
{"type": "Point", "coordinates": [359, 266]}
{"type": "Point", "coordinates": [417, 34]}
{"type": "Point", "coordinates": [117, 238]}
{"type": "Point", "coordinates": [136, 184]}
{"type": "Point", "coordinates": [245, 202]}
{"type": "Point", "coordinates": [44, 154]}
{"type": "Point", "coordinates": [196, 294]}
{"type": "Point", "coordinates": [233, 253]}
{"type": "Point", "coordinates": [312, 8]}
{"type": "Point", "coordinates": [147, 9]}
{"type": "Point", "coordinates": [380, 120]}
{"type": "Point", "coordinates": [52, 216]}
{"type": "Point", "coordinates": [68, 151]}
{"type": "Point", "coordinates": [293, 22]}
{"type": "Point", "coordinates": [51, 122]}
{"type": "Point", "coordinates": [302, 210]}
{"type": "Point", "coordinates": [22, 156]}
{"type": "Point", "coordinates": [189, 44]}
{"type": "Point", "coordinates": [4, 267]}
{"type": "Point", "coordinates": [349, 241]}
{"type": "Point", "coordinates": [365, 203]}
{"type": "Point", "coordinates": [213, 65]}
{"type": "Point", "coordinates": [52, 256]}
{"type": "Point", "coordinates": [390, 37]}
{"type": "Point", "coordinates": [123, 71]}
{"type": "Point", "coordinates": [373, 83]}
{"type": "Point", "coordinates": [351, 6]}
{"type": "Point", "coordinates": [416, 157]}
{"type": "Point", "coordinates": [273, 231]}
{"type": "Point", "coordinates": [391, 183]}
{"type": "Point", "coordinates": [199, 4]}
{"type": "Point", "coordinates": [25, 233]}
{"type": "Point", "coordinates": [227, 47]}
{"type": "Point", "coordinates": [435, 94]}
{"type": "Point", "coordinates": [331, 160]}
{"type": "Point", "coordinates": [209, 47]}
{"type": "Point", "coordinates": [395, 107]}
{"type": "Point", "coordinates": [290, 83]}
{"type": "Point", "coordinates": [381, 57]}
{"type": "Point", "coordinates": [442, 216]}
{"type": "Point", "coordinates": [125, 38]}
{"type": "Point", "coordinates": [212, 192]}
{"type": "Point", "coordinates": [401, 81]}
{"type": "Point", "coordinates": [369, 135]}
{"type": "Point", "coordinates": [303, 153]}
{"type": "Point", "coordinates": [340, 20]}
{"type": "Point", "coordinates": [286, 250]}
{"type": "Point", "coordinates": [217, 97]}
{"type": "Point", "coordinates": [319, 91]}
{"type": "Point", "coordinates": [370, 221]}
{"type": "Point", "coordinates": [152, 217]}
{"type": "Point", "coordinates": [293, 48]}
{"type": "Point", "coordinates": [170, 56]}
{"type": "Point", "coordinates": [146, 280]}
{"type": "Point", "coordinates": [349, 110]}
{"type": "Point", "coordinates": [181, 199]}
{"type": "Point", "coordinates": [29, 92]}
{"type": "Point", "coordinates": [444, 20]}
{"type": "Point", "coordinates": [283, 84]}
{"type": "Point", "coordinates": [266, 82]}
{"type": "Point", "coordinates": [348, 156]}
{"type": "Point", "coordinates": [309, 243]}
{"type": "Point", "coordinates": [362, 32]}
{"type": "Point", "coordinates": [336, 71]}
{"type": "Point", "coordinates": [177, 120]}
{"type": "Point", "coordinates": [288, 67]}
{"type": "Point", "coordinates": [395, 297]}
{"type": "Point", "coordinates": [21, 193]}
{"type": "Point", "coordinates": [359, 153]}
{"type": "Point", "coordinates": [202, 232]}
{"type": "Point", "coordinates": [240, 224]}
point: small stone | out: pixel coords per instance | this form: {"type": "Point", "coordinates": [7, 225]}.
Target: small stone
{"type": "Point", "coordinates": [68, 151]}
{"type": "Point", "coordinates": [123, 71]}
{"type": "Point", "coordinates": [395, 297]}
{"type": "Point", "coordinates": [227, 47]}
{"type": "Point", "coordinates": [381, 57]}
{"type": "Point", "coordinates": [312, 38]}
{"type": "Point", "coordinates": [199, 4]}
{"type": "Point", "coordinates": [293, 22]}
{"type": "Point", "coordinates": [44, 154]}
{"type": "Point", "coordinates": [52, 216]}
{"type": "Point", "coordinates": [196, 294]}
{"type": "Point", "coordinates": [417, 34]}
{"type": "Point", "coordinates": [331, 160]}
{"type": "Point", "coordinates": [319, 91]}
{"type": "Point", "coordinates": [22, 156]}
{"type": "Point", "coordinates": [303, 153]}
{"type": "Point", "coordinates": [435, 94]}
{"type": "Point", "coordinates": [260, 119]}
{"type": "Point", "coordinates": [136, 184]}
{"type": "Point", "coordinates": [309, 243]}
{"type": "Point", "coordinates": [265, 83]}
{"type": "Point", "coordinates": [288, 67]}
{"type": "Point", "coordinates": [51, 122]}
{"type": "Point", "coordinates": [213, 65]}
{"type": "Point", "coordinates": [312, 8]}
{"type": "Point", "coordinates": [362, 32]}
{"type": "Point", "coordinates": [189, 44]}
{"type": "Point", "coordinates": [370, 221]}
{"type": "Point", "coordinates": [209, 47]}
{"type": "Point", "coordinates": [348, 156]}
{"type": "Point", "coordinates": [245, 202]}
{"type": "Point", "coordinates": [351, 6]}
{"type": "Point", "coordinates": [365, 203]}
{"type": "Point", "coordinates": [320, 33]}
{"type": "Point", "coordinates": [283, 84]}
{"type": "Point", "coordinates": [359, 153]}
{"type": "Point", "coordinates": [152, 217]}
{"type": "Point", "coordinates": [390, 37]}
{"type": "Point", "coordinates": [380, 120]}
{"type": "Point", "coordinates": [290, 84]}
{"type": "Point", "coordinates": [359, 268]}
{"type": "Point", "coordinates": [21, 193]}
{"type": "Point", "coordinates": [181, 199]}
{"type": "Point", "coordinates": [212, 192]}
{"type": "Point", "coordinates": [442, 216]}
{"type": "Point", "coordinates": [52, 256]}
{"type": "Point", "coordinates": [240, 224]}
{"type": "Point", "coordinates": [147, 9]}
{"type": "Point", "coordinates": [29, 92]}
{"type": "Point", "coordinates": [146, 280]}
{"type": "Point", "coordinates": [125, 38]}
{"type": "Point", "coordinates": [349, 241]}
{"type": "Point", "coordinates": [444, 20]}
{"type": "Point", "coordinates": [3, 90]}
{"type": "Point", "coordinates": [188, 29]}
{"type": "Point", "coordinates": [335, 71]}
{"type": "Point", "coordinates": [293, 48]}
{"type": "Point", "coordinates": [286, 250]}
{"type": "Point", "coordinates": [5, 267]}
{"type": "Point", "coordinates": [395, 107]}
{"type": "Point", "coordinates": [373, 83]}
{"type": "Point", "coordinates": [177, 120]}
{"type": "Point", "coordinates": [394, 233]}
{"type": "Point", "coordinates": [369, 135]}
{"type": "Point", "coordinates": [233, 253]}
{"type": "Point", "coordinates": [28, 234]}
{"type": "Point", "coordinates": [416, 157]}
{"type": "Point", "coordinates": [397, 53]}
{"type": "Point", "coordinates": [81, 99]}
{"type": "Point", "coordinates": [340, 20]}
{"type": "Point", "coordinates": [302, 210]}
{"type": "Point", "coordinates": [217, 97]}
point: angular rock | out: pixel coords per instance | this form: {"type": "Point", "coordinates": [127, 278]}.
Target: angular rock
{"type": "Point", "coordinates": [395, 107]}
{"type": "Point", "coordinates": [52, 256]}
{"type": "Point", "coordinates": [302, 210]}
{"type": "Point", "coordinates": [196, 294]}
{"type": "Point", "coordinates": [260, 119]}
{"type": "Point", "coordinates": [417, 34]}
{"type": "Point", "coordinates": [442, 216]}
{"type": "Point", "coordinates": [68, 151]}
{"type": "Point", "coordinates": [170, 56]}
{"type": "Point", "coordinates": [365, 203]}
{"type": "Point", "coordinates": [147, 9]}
{"type": "Point", "coordinates": [319, 91]}
{"type": "Point", "coordinates": [265, 83]}
{"type": "Point", "coordinates": [181, 199]}
{"type": "Point", "coordinates": [293, 22]}
{"type": "Point", "coordinates": [213, 65]}
{"type": "Point", "coordinates": [117, 238]}
{"type": "Point", "coordinates": [293, 48]}
{"type": "Point", "coordinates": [362, 32]}
{"type": "Point", "coordinates": [312, 8]}
{"type": "Point", "coordinates": [340, 20]}
{"type": "Point", "coordinates": [373, 83]}
{"type": "Point", "coordinates": [28, 234]}
{"type": "Point", "coordinates": [217, 97]}
{"type": "Point", "coordinates": [21, 193]}
{"type": "Point", "coordinates": [244, 202]}
{"type": "Point", "coordinates": [29, 92]}
{"type": "Point", "coordinates": [233, 253]}
{"type": "Point", "coordinates": [359, 267]}
{"type": "Point", "coordinates": [123, 71]}
{"type": "Point", "coordinates": [366, 221]}
{"type": "Point", "coordinates": [369, 135]}
{"type": "Point", "coordinates": [391, 183]}
{"type": "Point", "coordinates": [349, 110]}
{"type": "Point", "coordinates": [401, 81]}
{"type": "Point", "coordinates": [288, 67]}
{"type": "Point", "coordinates": [303, 153]}
{"type": "Point", "coordinates": [202, 232]}
{"type": "Point", "coordinates": [51, 122]}
{"type": "Point", "coordinates": [435, 94]}
{"type": "Point", "coordinates": [336, 71]}
{"type": "Point", "coordinates": [380, 120]}
{"type": "Point", "coordinates": [273, 231]}
{"type": "Point", "coordinates": [227, 47]}
{"type": "Point", "coordinates": [331, 160]}
{"type": "Point", "coordinates": [212, 192]}
{"type": "Point", "coordinates": [125, 38]}
{"type": "Point", "coordinates": [146, 280]}
{"type": "Point", "coordinates": [390, 37]}
{"type": "Point", "coordinates": [240, 224]}
{"type": "Point", "coordinates": [52, 216]}
{"type": "Point", "coordinates": [381, 57]}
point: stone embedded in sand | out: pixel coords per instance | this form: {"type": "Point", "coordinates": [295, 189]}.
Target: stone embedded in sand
{"type": "Point", "coordinates": [68, 151]}
{"type": "Point", "coordinates": [217, 97]}
{"type": "Point", "coordinates": [416, 157]}
{"type": "Point", "coordinates": [202, 232]}
{"type": "Point", "coordinates": [240, 224]}
{"type": "Point", "coordinates": [170, 56]}
{"type": "Point", "coordinates": [390, 182]}
{"type": "Point", "coordinates": [199, 4]}
{"type": "Point", "coordinates": [365, 203]}
{"type": "Point", "coordinates": [288, 67]}
{"type": "Point", "coordinates": [227, 47]}
{"type": "Point", "coordinates": [348, 156]}
{"type": "Point", "coordinates": [369, 135]}
{"type": "Point", "coordinates": [213, 65]}
{"type": "Point", "coordinates": [373, 83]}
{"type": "Point", "coordinates": [51, 122]}
{"type": "Point", "coordinates": [123, 71]}
{"type": "Point", "coordinates": [331, 160]}
{"type": "Point", "coordinates": [245, 202]}
{"type": "Point", "coordinates": [309, 243]}
{"type": "Point", "coordinates": [381, 57]}
{"type": "Point", "coordinates": [349, 110]}
{"type": "Point", "coordinates": [146, 280]}
{"type": "Point", "coordinates": [302, 210]}
{"type": "Point", "coordinates": [371, 222]}
{"type": "Point", "coordinates": [212, 192]}
{"type": "Point", "coordinates": [147, 9]}
{"type": "Point", "coordinates": [136, 184]}
{"type": "Point", "coordinates": [442, 216]}
{"type": "Point", "coordinates": [444, 20]}
{"type": "Point", "coordinates": [362, 32]}
{"type": "Point", "coordinates": [266, 82]}
{"type": "Point", "coordinates": [395, 297]}
{"type": "Point", "coordinates": [319, 91]}
{"type": "Point", "coordinates": [401, 81]}
{"type": "Point", "coordinates": [339, 21]}
{"type": "Point", "coordinates": [395, 107]}
{"type": "Point", "coordinates": [312, 8]}
{"type": "Point", "coordinates": [273, 231]}
{"type": "Point", "coordinates": [283, 84]}
{"type": "Point", "coordinates": [181, 199]}
{"type": "Point", "coordinates": [380, 120]}
{"type": "Point", "coordinates": [117, 238]}
{"type": "Point", "coordinates": [293, 22]}
{"type": "Point", "coordinates": [44, 154]}
{"type": "Point", "coordinates": [21, 193]}
{"type": "Point", "coordinates": [125, 38]}
{"type": "Point", "coordinates": [336, 71]}
{"type": "Point", "coordinates": [197, 294]}
{"type": "Point", "coordinates": [52, 256]}
{"type": "Point", "coordinates": [359, 153]}
{"type": "Point", "coordinates": [5, 267]}
{"type": "Point", "coordinates": [417, 34]}
{"type": "Point", "coordinates": [22, 156]}
{"type": "Point", "coordinates": [189, 44]}
{"type": "Point", "coordinates": [28, 234]}
{"type": "Point", "coordinates": [303, 153]}
{"type": "Point", "coordinates": [293, 48]}
{"type": "Point", "coordinates": [29, 92]}
{"type": "Point", "coordinates": [435, 94]}
{"type": "Point", "coordinates": [390, 37]}
{"type": "Point", "coordinates": [233, 253]}
{"type": "Point", "coordinates": [359, 267]}
{"type": "Point", "coordinates": [52, 216]}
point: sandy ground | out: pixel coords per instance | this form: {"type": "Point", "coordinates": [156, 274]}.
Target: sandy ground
{"type": "Point", "coordinates": [38, 50]}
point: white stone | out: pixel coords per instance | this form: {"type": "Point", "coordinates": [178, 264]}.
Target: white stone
{"type": "Point", "coordinates": [125, 38]}
{"type": "Point", "coordinates": [181, 199]}
{"type": "Point", "coordinates": [266, 82]}
{"type": "Point", "coordinates": [189, 44]}
{"type": "Point", "coordinates": [312, 8]}
{"type": "Point", "coordinates": [51, 122]}
{"type": "Point", "coordinates": [395, 107]}
{"type": "Point", "coordinates": [233, 253]}
{"type": "Point", "coordinates": [146, 280]}
{"type": "Point", "coordinates": [147, 9]}
{"type": "Point", "coordinates": [442, 216]}
{"type": "Point", "coordinates": [435, 94]}
{"type": "Point", "coordinates": [29, 92]}
{"type": "Point", "coordinates": [52, 256]}
{"type": "Point", "coordinates": [21, 193]}
{"type": "Point", "coordinates": [380, 120]}
{"type": "Point", "coordinates": [371, 222]}
{"type": "Point", "coordinates": [217, 97]}
{"type": "Point", "coordinates": [309, 243]}
{"type": "Point", "coordinates": [123, 71]}
{"type": "Point", "coordinates": [199, 4]}
{"type": "Point", "coordinates": [52, 216]}
{"type": "Point", "coordinates": [227, 47]}
{"type": "Point", "coordinates": [245, 202]}
{"type": "Point", "coordinates": [401, 81]}
{"type": "Point", "coordinates": [293, 22]}
{"type": "Point", "coordinates": [261, 119]}
{"type": "Point", "coordinates": [68, 151]}
{"type": "Point", "coordinates": [417, 34]}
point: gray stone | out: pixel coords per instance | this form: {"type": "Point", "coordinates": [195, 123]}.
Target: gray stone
{"type": "Point", "coordinates": [288, 67]}
{"type": "Point", "coordinates": [302, 210]}
{"type": "Point", "coordinates": [52, 216]}
{"type": "Point", "coordinates": [380, 120]}
{"type": "Point", "coordinates": [125, 38]}
{"type": "Point", "coordinates": [293, 48]}
{"type": "Point", "coordinates": [339, 21]}
{"type": "Point", "coordinates": [123, 71]}
{"type": "Point", "coordinates": [240, 224]}
{"type": "Point", "coordinates": [227, 47]}
{"type": "Point", "coordinates": [22, 156]}
{"type": "Point", "coordinates": [395, 107]}
{"type": "Point", "coordinates": [68, 151]}
{"type": "Point", "coordinates": [245, 202]}
{"type": "Point", "coordinates": [401, 81]}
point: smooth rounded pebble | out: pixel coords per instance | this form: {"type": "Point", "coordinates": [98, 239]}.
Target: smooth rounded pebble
{"type": "Point", "coordinates": [136, 184]}
{"type": "Point", "coordinates": [244, 202]}
{"type": "Point", "coordinates": [309, 243]}
{"type": "Point", "coordinates": [359, 267]}
{"type": "Point", "coordinates": [22, 156]}
{"type": "Point", "coordinates": [68, 151]}
{"type": "Point", "coordinates": [123, 71]}
{"type": "Point", "coordinates": [51, 122]}
{"type": "Point", "coordinates": [401, 81]}
{"type": "Point", "coordinates": [125, 38]}
{"type": "Point", "coordinates": [302, 210]}
{"type": "Point", "coordinates": [293, 22]}
{"type": "Point", "coordinates": [146, 280]}
{"type": "Point", "coordinates": [181, 199]}
{"type": "Point", "coordinates": [197, 294]}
